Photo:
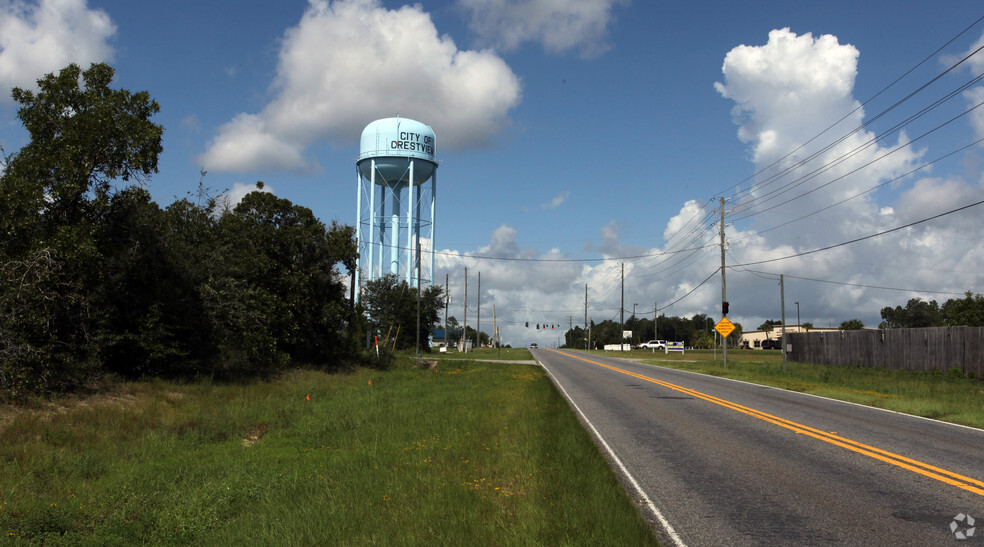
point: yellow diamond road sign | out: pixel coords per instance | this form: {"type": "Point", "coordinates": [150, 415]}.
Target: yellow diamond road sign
{"type": "Point", "coordinates": [725, 327]}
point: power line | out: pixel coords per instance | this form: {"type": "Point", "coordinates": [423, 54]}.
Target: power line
{"type": "Point", "coordinates": [856, 284]}
{"type": "Point", "coordinates": [602, 259]}
{"type": "Point", "coordinates": [873, 188]}
{"type": "Point", "coordinates": [772, 178]}
{"type": "Point", "coordinates": [827, 248]}
{"type": "Point", "coordinates": [708, 278]}
{"type": "Point", "coordinates": [843, 158]}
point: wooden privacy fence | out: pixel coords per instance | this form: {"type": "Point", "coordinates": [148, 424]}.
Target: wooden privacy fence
{"type": "Point", "coordinates": [939, 348]}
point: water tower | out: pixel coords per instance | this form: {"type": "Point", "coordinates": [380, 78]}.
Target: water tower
{"type": "Point", "coordinates": [395, 203]}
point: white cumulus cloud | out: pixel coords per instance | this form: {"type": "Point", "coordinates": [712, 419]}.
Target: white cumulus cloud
{"type": "Point", "coordinates": [559, 26]}
{"type": "Point", "coordinates": [557, 201]}
{"type": "Point", "coordinates": [975, 95]}
{"type": "Point", "coordinates": [786, 91]}
{"type": "Point", "coordinates": [349, 62]}
{"type": "Point", "coordinates": [37, 38]}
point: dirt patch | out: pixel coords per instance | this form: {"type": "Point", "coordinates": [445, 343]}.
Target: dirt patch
{"type": "Point", "coordinates": [253, 434]}
{"type": "Point", "coordinates": [46, 411]}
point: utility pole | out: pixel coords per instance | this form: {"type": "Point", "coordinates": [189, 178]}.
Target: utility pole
{"type": "Point", "coordinates": [724, 289]}
{"type": "Point", "coordinates": [478, 327]}
{"type": "Point", "coordinates": [495, 331]}
{"type": "Point", "coordinates": [621, 326]}
{"type": "Point", "coordinates": [569, 339]}
{"type": "Point", "coordinates": [782, 310]}
{"type": "Point", "coordinates": [447, 300]}
{"type": "Point", "coordinates": [655, 318]}
{"type": "Point", "coordinates": [588, 339]}
{"type": "Point", "coordinates": [464, 327]}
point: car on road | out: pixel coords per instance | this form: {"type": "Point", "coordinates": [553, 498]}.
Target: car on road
{"type": "Point", "coordinates": [652, 344]}
{"type": "Point", "coordinates": [534, 346]}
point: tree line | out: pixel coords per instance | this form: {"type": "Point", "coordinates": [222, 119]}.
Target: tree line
{"type": "Point", "coordinates": [955, 312]}
{"type": "Point", "coordinates": [697, 331]}
{"type": "Point", "coordinates": [967, 311]}
{"type": "Point", "coordinates": [98, 281]}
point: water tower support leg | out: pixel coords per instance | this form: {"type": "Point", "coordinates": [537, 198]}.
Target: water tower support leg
{"type": "Point", "coordinates": [372, 218]}
{"type": "Point", "coordinates": [433, 222]}
{"type": "Point", "coordinates": [358, 227]}
{"type": "Point", "coordinates": [395, 232]}
{"type": "Point", "coordinates": [410, 228]}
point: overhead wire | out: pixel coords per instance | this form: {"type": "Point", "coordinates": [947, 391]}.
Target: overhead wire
{"type": "Point", "coordinates": [837, 161]}
{"type": "Point", "coordinates": [691, 291]}
{"type": "Point", "coordinates": [861, 285]}
{"type": "Point", "coordinates": [738, 266]}
{"type": "Point", "coordinates": [861, 106]}
{"type": "Point", "coordinates": [462, 256]}
{"type": "Point", "coordinates": [677, 262]}
{"type": "Point", "coordinates": [856, 240]}
{"type": "Point", "coordinates": [869, 190]}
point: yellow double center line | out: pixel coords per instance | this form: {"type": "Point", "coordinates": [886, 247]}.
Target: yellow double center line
{"type": "Point", "coordinates": [925, 469]}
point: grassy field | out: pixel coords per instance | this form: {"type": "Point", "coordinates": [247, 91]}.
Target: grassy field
{"type": "Point", "coordinates": [463, 453]}
{"type": "Point", "coordinates": [504, 354]}
{"type": "Point", "coordinates": [946, 396]}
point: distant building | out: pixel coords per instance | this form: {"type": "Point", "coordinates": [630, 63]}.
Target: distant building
{"type": "Point", "coordinates": [440, 339]}
{"type": "Point", "coordinates": [753, 339]}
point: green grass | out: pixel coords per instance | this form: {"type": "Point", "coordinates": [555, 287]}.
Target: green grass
{"type": "Point", "coordinates": [504, 354]}
{"type": "Point", "coordinates": [947, 396]}
{"type": "Point", "coordinates": [468, 452]}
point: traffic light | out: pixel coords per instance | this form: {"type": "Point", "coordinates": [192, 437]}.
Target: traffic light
{"type": "Point", "coordinates": [724, 308]}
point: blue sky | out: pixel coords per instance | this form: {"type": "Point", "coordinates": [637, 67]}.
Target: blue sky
{"type": "Point", "coordinates": [588, 132]}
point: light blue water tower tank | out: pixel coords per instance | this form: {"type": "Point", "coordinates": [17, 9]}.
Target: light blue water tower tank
{"type": "Point", "coordinates": [395, 217]}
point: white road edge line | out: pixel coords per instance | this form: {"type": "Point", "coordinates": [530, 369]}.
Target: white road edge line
{"type": "Point", "coordinates": [667, 527]}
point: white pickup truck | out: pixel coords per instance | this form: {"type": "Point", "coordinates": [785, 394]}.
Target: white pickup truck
{"type": "Point", "coordinates": [653, 344]}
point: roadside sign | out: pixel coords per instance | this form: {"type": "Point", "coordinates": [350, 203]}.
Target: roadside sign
{"type": "Point", "coordinates": [724, 327]}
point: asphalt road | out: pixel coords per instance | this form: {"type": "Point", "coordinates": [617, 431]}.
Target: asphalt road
{"type": "Point", "coordinates": [713, 461]}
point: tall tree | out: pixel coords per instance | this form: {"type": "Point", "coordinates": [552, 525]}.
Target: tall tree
{"type": "Point", "coordinates": [769, 326]}
{"type": "Point", "coordinates": [967, 311]}
{"type": "Point", "coordinates": [84, 138]}
{"type": "Point", "coordinates": [852, 324]}
{"type": "Point", "coordinates": [575, 338]}
{"type": "Point", "coordinates": [275, 294]}
{"type": "Point", "coordinates": [391, 305]}
{"type": "Point", "coordinates": [917, 313]}
{"type": "Point", "coordinates": [146, 317]}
